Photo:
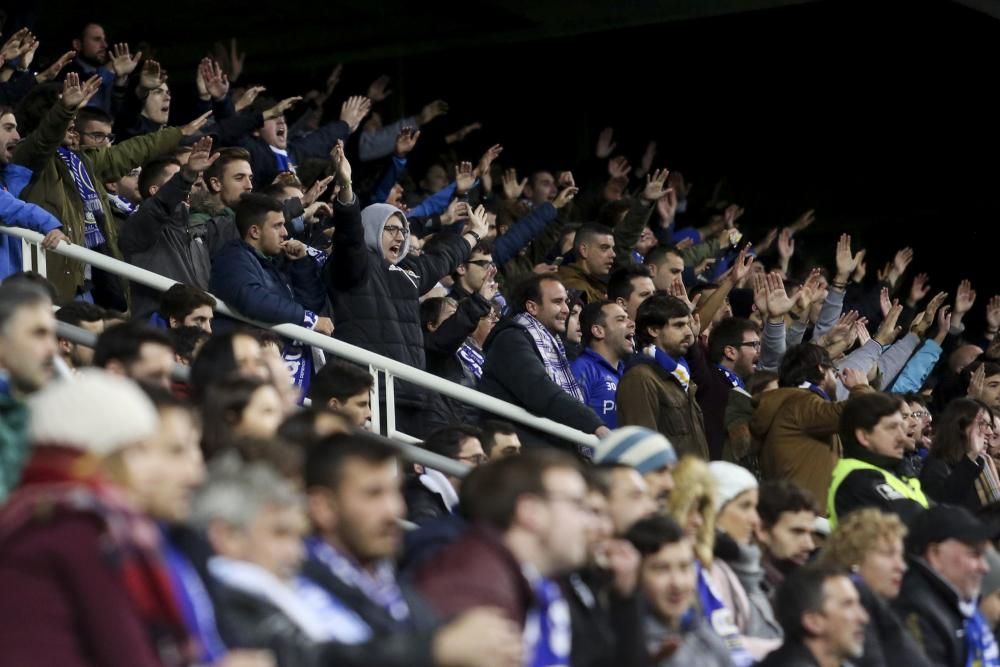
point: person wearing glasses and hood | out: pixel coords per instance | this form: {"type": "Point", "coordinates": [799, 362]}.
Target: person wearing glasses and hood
{"type": "Point", "coordinates": [375, 284]}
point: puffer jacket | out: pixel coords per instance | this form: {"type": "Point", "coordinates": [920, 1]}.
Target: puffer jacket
{"type": "Point", "coordinates": [375, 302]}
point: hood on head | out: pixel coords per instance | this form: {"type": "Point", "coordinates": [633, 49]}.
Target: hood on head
{"type": "Point", "coordinates": [373, 218]}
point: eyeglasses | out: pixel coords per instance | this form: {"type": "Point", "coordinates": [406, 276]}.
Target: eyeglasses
{"type": "Point", "coordinates": [475, 459]}
{"type": "Point", "coordinates": [482, 263]}
{"type": "Point", "coordinates": [920, 414]}
{"type": "Point", "coordinates": [99, 137]}
{"type": "Point", "coordinates": [755, 344]}
{"type": "Point", "coordinates": [393, 230]}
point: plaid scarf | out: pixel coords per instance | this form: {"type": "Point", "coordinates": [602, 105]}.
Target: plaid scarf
{"type": "Point", "coordinates": [988, 483]}
{"type": "Point", "coordinates": [93, 210]}
{"type": "Point", "coordinates": [60, 480]}
{"type": "Point", "coordinates": [553, 355]}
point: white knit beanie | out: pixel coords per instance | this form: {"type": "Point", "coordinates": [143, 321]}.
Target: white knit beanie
{"type": "Point", "coordinates": [730, 480]}
{"type": "Point", "coordinates": [643, 449]}
{"type": "Point", "coordinates": [94, 411]}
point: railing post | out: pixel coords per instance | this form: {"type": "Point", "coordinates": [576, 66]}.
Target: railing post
{"type": "Point", "coordinates": [373, 401]}
{"type": "Point", "coordinates": [390, 405]}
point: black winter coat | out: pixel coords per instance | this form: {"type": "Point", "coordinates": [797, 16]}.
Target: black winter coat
{"type": "Point", "coordinates": [928, 608]}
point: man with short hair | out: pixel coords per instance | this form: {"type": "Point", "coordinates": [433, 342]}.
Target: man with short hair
{"type": "Point", "coordinates": [733, 352]}
{"type": "Point", "coordinates": [608, 340]}
{"type": "Point", "coordinates": [629, 286]}
{"type": "Point", "coordinates": [594, 246]}
{"type": "Point", "coordinates": [431, 494]}
{"type": "Point", "coordinates": [86, 316]}
{"type": "Point", "coordinates": [355, 504]}
{"type": "Point", "coordinates": [500, 439]}
{"type": "Point", "coordinates": [873, 472]}
{"type": "Point", "coordinates": [94, 57]}
{"type": "Point", "coordinates": [526, 362]}
{"type": "Point", "coordinates": [666, 264]}
{"type": "Point", "coordinates": [657, 391]}
{"type": "Point", "coordinates": [946, 549]}
{"type": "Point", "coordinates": [787, 524]}
{"type": "Point", "coordinates": [530, 522]}
{"type": "Point", "coordinates": [648, 453]}
{"type": "Point", "coordinates": [798, 423]}
{"type": "Point", "coordinates": [629, 498]}
{"type": "Point", "coordinates": [344, 387]}
{"type": "Point", "coordinates": [27, 351]}
{"type": "Point", "coordinates": [136, 351]}
{"type": "Point", "coordinates": [821, 614]}
{"type": "Point", "coordinates": [187, 306]}
{"type": "Point", "coordinates": [470, 275]}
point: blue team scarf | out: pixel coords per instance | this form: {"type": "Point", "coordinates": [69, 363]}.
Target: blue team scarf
{"type": "Point", "coordinates": [733, 378]}
{"type": "Point", "coordinates": [721, 619]}
{"type": "Point", "coordinates": [815, 389]}
{"type": "Point", "coordinates": [93, 210]}
{"type": "Point", "coordinates": [196, 605]}
{"type": "Point", "coordinates": [282, 159]}
{"type": "Point", "coordinates": [981, 645]}
{"type": "Point", "coordinates": [472, 360]}
{"type": "Point", "coordinates": [380, 587]}
{"type": "Point", "coordinates": [677, 367]}
{"type": "Point", "coordinates": [547, 633]}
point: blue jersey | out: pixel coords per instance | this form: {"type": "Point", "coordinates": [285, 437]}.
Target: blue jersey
{"type": "Point", "coordinates": [599, 381]}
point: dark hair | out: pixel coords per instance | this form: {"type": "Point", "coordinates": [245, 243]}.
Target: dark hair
{"type": "Point", "coordinates": [800, 593]}
{"type": "Point", "coordinates": [325, 461]}
{"type": "Point", "coordinates": [620, 281]}
{"type": "Point", "coordinates": [152, 174]}
{"type": "Point", "coordinates": [802, 364]}
{"type": "Point", "coordinates": [430, 311]}
{"type": "Point", "coordinates": [17, 295]}
{"type": "Point", "coordinates": [490, 493]}
{"type": "Point", "coordinates": [215, 361]}
{"type": "Point", "coordinates": [916, 397]}
{"type": "Point", "coordinates": [727, 333]}
{"type": "Point", "coordinates": [164, 399]}
{"type": "Point", "coordinates": [529, 289]}
{"type": "Point", "coordinates": [779, 496]}
{"type": "Point", "coordinates": [222, 408]}
{"type": "Point", "coordinates": [489, 431]}
{"type": "Point", "coordinates": [760, 379]}
{"type": "Point", "coordinates": [33, 278]}
{"type": "Point", "coordinates": [990, 369]}
{"type": "Point", "coordinates": [652, 533]}
{"type": "Point", "coordinates": [264, 337]}
{"type": "Point", "coordinates": [340, 380]}
{"type": "Point", "coordinates": [448, 441]}
{"type": "Point", "coordinates": [656, 311]}
{"type": "Point", "coordinates": [588, 232]}
{"type": "Point", "coordinates": [950, 440]}
{"type": "Point", "coordinates": [123, 342]}
{"type": "Point", "coordinates": [186, 340]}
{"type": "Point", "coordinates": [93, 115]}
{"type": "Point", "coordinates": [593, 314]}
{"type": "Point", "coordinates": [276, 190]}
{"type": "Point", "coordinates": [865, 411]}
{"type": "Point", "coordinates": [253, 209]}
{"type": "Point", "coordinates": [300, 428]}
{"type": "Point", "coordinates": [658, 255]}
{"type": "Point", "coordinates": [226, 157]}
{"type": "Point", "coordinates": [181, 300]}
{"type": "Point", "coordinates": [77, 312]}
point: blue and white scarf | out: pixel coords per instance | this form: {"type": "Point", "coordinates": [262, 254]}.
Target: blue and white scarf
{"type": "Point", "coordinates": [677, 367]}
{"type": "Point", "coordinates": [814, 388]}
{"type": "Point", "coordinates": [732, 377]}
{"type": "Point", "coordinates": [283, 161]}
{"type": "Point", "coordinates": [379, 586]}
{"type": "Point", "coordinates": [980, 643]}
{"type": "Point", "coordinates": [548, 637]}
{"type": "Point", "coordinates": [121, 204]}
{"type": "Point", "coordinates": [472, 360]}
{"type": "Point", "coordinates": [93, 210]}
{"type": "Point", "coordinates": [553, 355]}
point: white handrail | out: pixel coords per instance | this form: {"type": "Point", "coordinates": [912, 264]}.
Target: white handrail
{"type": "Point", "coordinates": [332, 345]}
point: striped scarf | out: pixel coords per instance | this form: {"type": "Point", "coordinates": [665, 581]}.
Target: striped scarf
{"type": "Point", "coordinates": [472, 360]}
{"type": "Point", "coordinates": [553, 355]}
{"type": "Point", "coordinates": [677, 367]}
{"type": "Point", "coordinates": [93, 209]}
{"type": "Point", "coordinates": [988, 483]}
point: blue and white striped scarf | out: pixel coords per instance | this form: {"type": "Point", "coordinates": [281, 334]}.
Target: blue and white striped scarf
{"type": "Point", "coordinates": [553, 355]}
{"type": "Point", "coordinates": [93, 209]}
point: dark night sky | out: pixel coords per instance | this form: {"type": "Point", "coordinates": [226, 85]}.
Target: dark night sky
{"type": "Point", "coordinates": [881, 115]}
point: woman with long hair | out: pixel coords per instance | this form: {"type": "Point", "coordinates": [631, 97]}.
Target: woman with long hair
{"type": "Point", "coordinates": [958, 470]}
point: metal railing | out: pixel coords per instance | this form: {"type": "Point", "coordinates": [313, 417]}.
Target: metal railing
{"type": "Point", "coordinates": [376, 363]}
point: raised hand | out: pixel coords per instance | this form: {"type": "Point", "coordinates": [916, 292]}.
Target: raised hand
{"type": "Point", "coordinates": [803, 221]}
{"type": "Point", "coordinates": [786, 243]}
{"type": "Point", "coordinates": [341, 166]}
{"type": "Point", "coordinates": [863, 334]}
{"type": "Point", "coordinates": [778, 301]}
{"type": "Point", "coordinates": [406, 140]}
{"type": "Point", "coordinates": [619, 168]}
{"type": "Point", "coordinates": [846, 261]}
{"type": "Point", "coordinates": [922, 323]}
{"type": "Point", "coordinates": [732, 214]}
{"type": "Point", "coordinates": [281, 107]}
{"type": "Point", "coordinates": [248, 97]}
{"type": "Point", "coordinates": [334, 79]}
{"type": "Point", "coordinates": [395, 198]}
{"type": "Point", "coordinates": [122, 62]}
{"type": "Point", "coordinates": [993, 315]}
{"type": "Point", "coordinates": [680, 186]}
{"type": "Point", "coordinates": [646, 163]}
{"type": "Point", "coordinates": [74, 94]}
{"type": "Point", "coordinates": [432, 111]}
{"type": "Point", "coordinates": [841, 331]}
{"type": "Point", "coordinates": [666, 206]}
{"type": "Point", "coordinates": [605, 143]}
{"type": "Point", "coordinates": [852, 377]}
{"type": "Point", "coordinates": [964, 299]}
{"type": "Point", "coordinates": [316, 190]}
{"type": "Point", "coordinates": [215, 80]}
{"type": "Point", "coordinates": [900, 263]}
{"type": "Point", "coordinates": [918, 290]}
{"type": "Point", "coordinates": [200, 158]}
{"type": "Point", "coordinates": [656, 185]}
{"type": "Point", "coordinates": [760, 293]}
{"type": "Point", "coordinates": [888, 331]}
{"type": "Point", "coordinates": [152, 75]}
{"type": "Point", "coordinates": [462, 133]}
{"type": "Point", "coordinates": [53, 70]}
{"type": "Point", "coordinates": [490, 287]}
{"type": "Point", "coordinates": [457, 210]}
{"type": "Point", "coordinates": [768, 241]}
{"type": "Point", "coordinates": [354, 110]}
{"type": "Point", "coordinates": [512, 188]}
{"type": "Point", "coordinates": [465, 178]}
{"type": "Point", "coordinates": [862, 268]}
{"type": "Point", "coordinates": [884, 302]}
{"type": "Point", "coordinates": [977, 383]}
{"type": "Point", "coordinates": [378, 90]}
{"type": "Point", "coordinates": [317, 210]}
{"type": "Point", "coordinates": [195, 125]}
{"type": "Point", "coordinates": [741, 265]}
{"type": "Point", "coordinates": [477, 221]}
{"type": "Point", "coordinates": [565, 196]}
{"type": "Point", "coordinates": [486, 164]}
{"type": "Point", "coordinates": [11, 49]}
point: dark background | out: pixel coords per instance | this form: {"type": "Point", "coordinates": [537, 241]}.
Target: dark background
{"type": "Point", "coordinates": [880, 115]}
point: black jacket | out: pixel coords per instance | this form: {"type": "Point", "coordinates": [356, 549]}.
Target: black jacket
{"type": "Point", "coordinates": [867, 488]}
{"type": "Point", "coordinates": [422, 504]}
{"type": "Point", "coordinates": [952, 484]}
{"type": "Point", "coordinates": [376, 304]}
{"type": "Point", "coordinates": [514, 372]}
{"type": "Point", "coordinates": [791, 654]}
{"type": "Point", "coordinates": [442, 360]}
{"type": "Point", "coordinates": [394, 643]}
{"type": "Point", "coordinates": [315, 145]}
{"type": "Point", "coordinates": [607, 628]}
{"type": "Point", "coordinates": [928, 608]}
{"type": "Point", "coordinates": [247, 621]}
{"type": "Point", "coordinates": [886, 640]}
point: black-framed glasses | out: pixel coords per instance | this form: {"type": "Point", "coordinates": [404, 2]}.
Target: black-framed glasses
{"type": "Point", "coordinates": [100, 137]}
{"type": "Point", "coordinates": [482, 263]}
{"type": "Point", "coordinates": [393, 230]}
{"type": "Point", "coordinates": [755, 344]}
{"type": "Point", "coordinates": [475, 459]}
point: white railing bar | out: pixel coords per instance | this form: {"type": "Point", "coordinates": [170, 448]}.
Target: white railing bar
{"type": "Point", "coordinates": [373, 402]}
{"type": "Point", "coordinates": [390, 404]}
{"type": "Point", "coordinates": [332, 345]}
